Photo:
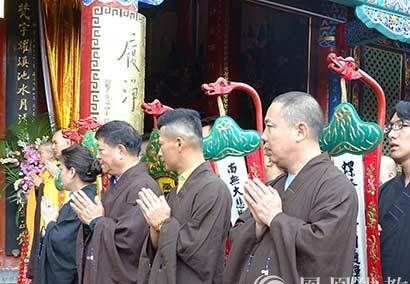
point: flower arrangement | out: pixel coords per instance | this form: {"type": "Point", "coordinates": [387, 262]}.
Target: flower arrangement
{"type": "Point", "coordinates": [20, 165]}
{"type": "Point", "coordinates": [20, 159]}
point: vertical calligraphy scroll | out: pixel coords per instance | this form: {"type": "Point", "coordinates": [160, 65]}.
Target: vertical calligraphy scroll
{"type": "Point", "coordinates": [21, 88]}
{"type": "Point", "coordinates": [232, 170]}
{"type": "Point", "coordinates": [352, 167]}
{"type": "Point", "coordinates": [113, 63]}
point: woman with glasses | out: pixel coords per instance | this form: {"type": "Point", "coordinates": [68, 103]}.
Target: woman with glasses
{"type": "Point", "coordinates": [56, 254]}
{"type": "Point", "coordinates": [394, 202]}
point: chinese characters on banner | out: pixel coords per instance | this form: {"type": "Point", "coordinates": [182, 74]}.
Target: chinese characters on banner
{"type": "Point", "coordinates": [352, 167]}
{"type": "Point", "coordinates": [21, 102]}
{"type": "Point", "coordinates": [232, 170]}
{"type": "Point", "coordinates": [25, 75]}
{"type": "Point", "coordinates": [118, 64]}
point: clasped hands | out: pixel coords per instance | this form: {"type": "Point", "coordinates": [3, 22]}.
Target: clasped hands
{"type": "Point", "coordinates": [49, 212]}
{"type": "Point", "coordinates": [263, 201]}
{"type": "Point", "coordinates": [86, 209]}
{"type": "Point", "coordinates": [154, 209]}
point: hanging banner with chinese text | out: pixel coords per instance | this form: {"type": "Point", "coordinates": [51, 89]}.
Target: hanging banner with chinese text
{"type": "Point", "coordinates": [113, 63]}
{"type": "Point", "coordinates": [352, 166]}
{"type": "Point", "coordinates": [21, 91]}
{"type": "Point", "coordinates": [232, 170]}
{"type": "Point", "coordinates": [22, 65]}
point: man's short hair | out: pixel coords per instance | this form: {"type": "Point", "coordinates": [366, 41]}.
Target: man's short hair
{"type": "Point", "coordinates": [302, 107]}
{"type": "Point", "coordinates": [119, 132]}
{"type": "Point", "coordinates": [183, 122]}
{"type": "Point", "coordinates": [403, 110]}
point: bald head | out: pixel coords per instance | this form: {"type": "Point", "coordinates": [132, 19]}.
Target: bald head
{"type": "Point", "coordinates": [301, 107]}
{"type": "Point", "coordinates": [59, 143]}
{"type": "Point", "coordinates": [46, 152]}
{"type": "Point", "coordinates": [388, 169]}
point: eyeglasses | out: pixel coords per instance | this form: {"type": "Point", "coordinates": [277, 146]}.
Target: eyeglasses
{"type": "Point", "coordinates": [397, 125]}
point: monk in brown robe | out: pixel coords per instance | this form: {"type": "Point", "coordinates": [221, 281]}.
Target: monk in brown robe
{"type": "Point", "coordinates": [186, 242]}
{"type": "Point", "coordinates": [303, 226]}
{"type": "Point", "coordinates": [108, 250]}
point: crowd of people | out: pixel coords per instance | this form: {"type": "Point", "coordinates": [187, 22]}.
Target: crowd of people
{"type": "Point", "coordinates": [300, 224]}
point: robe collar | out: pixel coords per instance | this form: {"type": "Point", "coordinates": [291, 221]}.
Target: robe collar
{"type": "Point", "coordinates": [204, 167]}
{"type": "Point", "coordinates": [125, 176]}
{"type": "Point", "coordinates": [303, 175]}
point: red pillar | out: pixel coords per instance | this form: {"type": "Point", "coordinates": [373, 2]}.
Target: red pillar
{"type": "Point", "coordinates": [85, 86]}
{"type": "Point", "coordinates": [322, 84]}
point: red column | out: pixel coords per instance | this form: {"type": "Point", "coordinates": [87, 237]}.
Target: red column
{"type": "Point", "coordinates": [322, 84]}
{"type": "Point", "coordinates": [85, 86]}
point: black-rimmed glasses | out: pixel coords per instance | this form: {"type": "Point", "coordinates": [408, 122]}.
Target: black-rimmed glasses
{"type": "Point", "coordinates": [397, 125]}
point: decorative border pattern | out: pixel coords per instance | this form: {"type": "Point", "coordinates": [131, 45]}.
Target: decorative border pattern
{"type": "Point", "coordinates": [96, 32]}
{"type": "Point", "coordinates": [122, 2]}
{"type": "Point", "coordinates": [392, 25]}
{"type": "Point", "coordinates": [126, 2]}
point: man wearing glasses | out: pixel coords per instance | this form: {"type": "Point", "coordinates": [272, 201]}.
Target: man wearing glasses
{"type": "Point", "coordinates": [394, 201]}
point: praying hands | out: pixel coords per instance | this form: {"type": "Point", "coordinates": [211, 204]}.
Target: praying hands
{"type": "Point", "coordinates": [86, 209]}
{"type": "Point", "coordinates": [263, 201]}
{"type": "Point", "coordinates": [154, 209]}
{"type": "Point", "coordinates": [49, 212]}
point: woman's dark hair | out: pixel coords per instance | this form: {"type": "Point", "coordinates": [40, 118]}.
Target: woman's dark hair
{"type": "Point", "coordinates": [82, 160]}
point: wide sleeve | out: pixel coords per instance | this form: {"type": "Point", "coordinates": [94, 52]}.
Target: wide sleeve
{"type": "Point", "coordinates": [120, 239]}
{"type": "Point", "coordinates": [328, 235]}
{"type": "Point", "coordinates": [122, 236]}
{"type": "Point", "coordinates": [57, 249]}
{"type": "Point", "coordinates": [242, 237]}
{"type": "Point", "coordinates": [145, 262]}
{"type": "Point", "coordinates": [198, 241]}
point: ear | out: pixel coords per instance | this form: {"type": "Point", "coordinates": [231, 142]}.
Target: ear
{"type": "Point", "coordinates": [302, 131]}
{"type": "Point", "coordinates": [122, 151]}
{"type": "Point", "coordinates": [179, 142]}
{"type": "Point", "coordinates": [72, 172]}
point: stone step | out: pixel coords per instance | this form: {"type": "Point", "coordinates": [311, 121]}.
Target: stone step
{"type": "Point", "coordinates": [8, 275]}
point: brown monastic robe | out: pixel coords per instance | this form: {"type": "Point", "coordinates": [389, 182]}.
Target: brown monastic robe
{"type": "Point", "coordinates": [314, 236]}
{"type": "Point", "coordinates": [191, 243]}
{"type": "Point", "coordinates": [110, 253]}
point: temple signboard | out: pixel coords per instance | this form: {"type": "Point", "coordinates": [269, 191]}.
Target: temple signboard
{"type": "Point", "coordinates": [390, 17]}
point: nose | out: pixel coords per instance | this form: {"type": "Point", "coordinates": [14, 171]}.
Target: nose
{"type": "Point", "coordinates": [264, 136]}
{"type": "Point", "coordinates": [160, 152]}
{"type": "Point", "coordinates": [392, 134]}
